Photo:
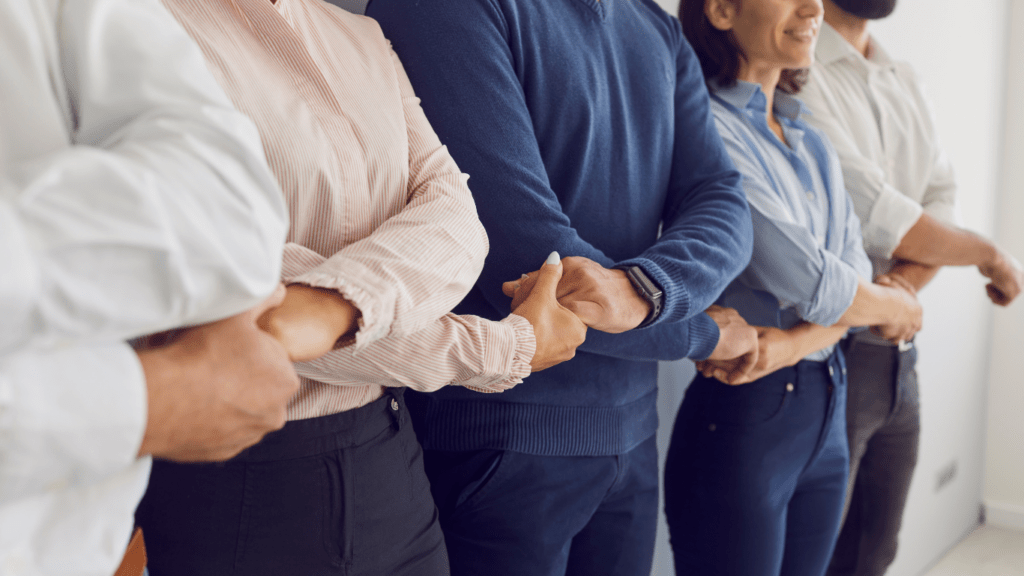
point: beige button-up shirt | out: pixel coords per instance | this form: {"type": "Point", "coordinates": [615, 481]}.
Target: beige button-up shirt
{"type": "Point", "coordinates": [379, 210]}
{"type": "Point", "coordinates": [876, 115]}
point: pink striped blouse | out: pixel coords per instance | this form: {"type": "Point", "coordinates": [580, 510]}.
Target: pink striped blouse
{"type": "Point", "coordinates": [378, 209]}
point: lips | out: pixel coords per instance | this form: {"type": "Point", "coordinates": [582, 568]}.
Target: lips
{"type": "Point", "coordinates": [803, 34]}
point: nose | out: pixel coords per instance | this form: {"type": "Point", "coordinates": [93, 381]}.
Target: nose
{"type": "Point", "coordinates": [811, 8]}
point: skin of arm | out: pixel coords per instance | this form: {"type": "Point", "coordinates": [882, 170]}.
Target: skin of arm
{"type": "Point", "coordinates": [934, 243]}
{"type": "Point", "coordinates": [216, 389]}
{"type": "Point", "coordinates": [915, 275]}
{"type": "Point", "coordinates": [893, 307]}
{"type": "Point", "coordinates": [777, 349]}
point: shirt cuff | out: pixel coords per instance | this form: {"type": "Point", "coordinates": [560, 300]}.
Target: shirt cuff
{"type": "Point", "coordinates": [892, 216]}
{"type": "Point", "coordinates": [69, 416]}
{"type": "Point", "coordinates": [944, 212]}
{"type": "Point", "coordinates": [675, 299]}
{"type": "Point", "coordinates": [704, 335]}
{"type": "Point", "coordinates": [509, 355]}
{"type": "Point", "coordinates": [834, 294]}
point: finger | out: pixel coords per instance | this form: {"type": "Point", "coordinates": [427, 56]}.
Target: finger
{"type": "Point", "coordinates": [747, 364]}
{"type": "Point", "coordinates": [510, 288]}
{"type": "Point", "coordinates": [996, 295]}
{"type": "Point", "coordinates": [548, 277]}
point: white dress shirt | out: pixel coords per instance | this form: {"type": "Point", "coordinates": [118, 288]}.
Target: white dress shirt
{"type": "Point", "coordinates": [875, 113]}
{"type": "Point", "coordinates": [136, 199]}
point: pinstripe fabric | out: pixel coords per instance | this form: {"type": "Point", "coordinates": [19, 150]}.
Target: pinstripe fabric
{"type": "Point", "coordinates": [378, 209]}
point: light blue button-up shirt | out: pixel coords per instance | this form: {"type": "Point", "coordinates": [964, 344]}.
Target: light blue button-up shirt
{"type": "Point", "coordinates": [808, 251]}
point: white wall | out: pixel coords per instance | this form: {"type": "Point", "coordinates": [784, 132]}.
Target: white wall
{"type": "Point", "coordinates": [958, 48]}
{"type": "Point", "coordinates": [1004, 472]}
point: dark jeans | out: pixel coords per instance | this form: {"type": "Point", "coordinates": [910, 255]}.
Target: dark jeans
{"type": "Point", "coordinates": [513, 514]}
{"type": "Point", "coordinates": [756, 474]}
{"type": "Point", "coordinates": [338, 495]}
{"type": "Point", "coordinates": [883, 426]}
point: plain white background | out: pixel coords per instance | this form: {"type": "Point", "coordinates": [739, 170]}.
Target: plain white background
{"type": "Point", "coordinates": [960, 50]}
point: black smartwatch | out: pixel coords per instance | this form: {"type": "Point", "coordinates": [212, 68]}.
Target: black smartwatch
{"type": "Point", "coordinates": [647, 290]}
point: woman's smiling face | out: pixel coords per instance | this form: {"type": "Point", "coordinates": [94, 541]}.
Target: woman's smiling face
{"type": "Point", "coordinates": [771, 34]}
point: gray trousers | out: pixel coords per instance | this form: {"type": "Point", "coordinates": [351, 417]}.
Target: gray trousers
{"type": "Point", "coordinates": [883, 426]}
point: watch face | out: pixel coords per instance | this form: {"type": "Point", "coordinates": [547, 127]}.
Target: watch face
{"type": "Point", "coordinates": [645, 283]}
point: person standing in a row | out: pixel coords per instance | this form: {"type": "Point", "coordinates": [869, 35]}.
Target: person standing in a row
{"type": "Point", "coordinates": [133, 199]}
{"type": "Point", "coordinates": [756, 474]}
{"type": "Point", "coordinates": [585, 126]}
{"type": "Point", "coordinates": [875, 112]}
{"type": "Point", "coordinates": [384, 241]}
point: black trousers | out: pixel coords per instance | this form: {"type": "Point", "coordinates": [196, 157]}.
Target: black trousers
{"type": "Point", "coordinates": [884, 426]}
{"type": "Point", "coordinates": [338, 495]}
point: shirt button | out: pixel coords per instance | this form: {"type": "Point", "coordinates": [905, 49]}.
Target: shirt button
{"type": "Point", "coordinates": [810, 196]}
{"type": "Point", "coordinates": [394, 405]}
{"type": "Point", "coordinates": [712, 427]}
{"type": "Point", "coordinates": [790, 387]}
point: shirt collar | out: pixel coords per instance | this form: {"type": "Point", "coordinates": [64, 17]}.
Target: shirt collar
{"type": "Point", "coordinates": [747, 95]}
{"type": "Point", "coordinates": [832, 46]}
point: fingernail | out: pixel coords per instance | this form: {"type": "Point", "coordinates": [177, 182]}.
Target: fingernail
{"type": "Point", "coordinates": [553, 259]}
{"type": "Point", "coordinates": [524, 276]}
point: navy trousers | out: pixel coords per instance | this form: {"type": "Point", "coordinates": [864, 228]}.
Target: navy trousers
{"type": "Point", "coordinates": [512, 514]}
{"type": "Point", "coordinates": [338, 495]}
{"type": "Point", "coordinates": [755, 476]}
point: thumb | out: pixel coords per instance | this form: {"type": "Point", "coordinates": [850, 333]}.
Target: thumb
{"type": "Point", "coordinates": [550, 274]}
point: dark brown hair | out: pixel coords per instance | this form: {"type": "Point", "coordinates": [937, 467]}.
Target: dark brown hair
{"type": "Point", "coordinates": [718, 52]}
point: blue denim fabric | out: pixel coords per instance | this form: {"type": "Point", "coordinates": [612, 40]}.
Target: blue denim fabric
{"type": "Point", "coordinates": [756, 474]}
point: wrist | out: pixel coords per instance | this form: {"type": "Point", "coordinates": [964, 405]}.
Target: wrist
{"type": "Point", "coordinates": [648, 295]}
{"type": "Point", "coordinates": [992, 261]}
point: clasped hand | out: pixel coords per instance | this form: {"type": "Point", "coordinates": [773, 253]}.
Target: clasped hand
{"type": "Point", "coordinates": [557, 329]}
{"type": "Point", "coordinates": [604, 299]}
{"type": "Point", "coordinates": [908, 322]}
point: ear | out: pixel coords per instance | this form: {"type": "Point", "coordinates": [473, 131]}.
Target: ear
{"type": "Point", "coordinates": [720, 13]}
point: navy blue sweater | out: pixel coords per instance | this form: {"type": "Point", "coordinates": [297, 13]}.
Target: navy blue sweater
{"type": "Point", "coordinates": [584, 125]}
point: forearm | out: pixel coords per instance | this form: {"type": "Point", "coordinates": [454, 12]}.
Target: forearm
{"type": "Point", "coordinates": [694, 338]}
{"type": "Point", "coordinates": [454, 350]}
{"type": "Point", "coordinates": [807, 338]}
{"type": "Point", "coordinates": [918, 275]}
{"type": "Point", "coordinates": [934, 243]}
{"type": "Point", "coordinates": [873, 305]}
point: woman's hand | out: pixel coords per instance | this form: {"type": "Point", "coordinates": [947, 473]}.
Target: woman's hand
{"type": "Point", "coordinates": [310, 321]}
{"type": "Point", "coordinates": [558, 331]}
{"type": "Point", "coordinates": [776, 350]}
